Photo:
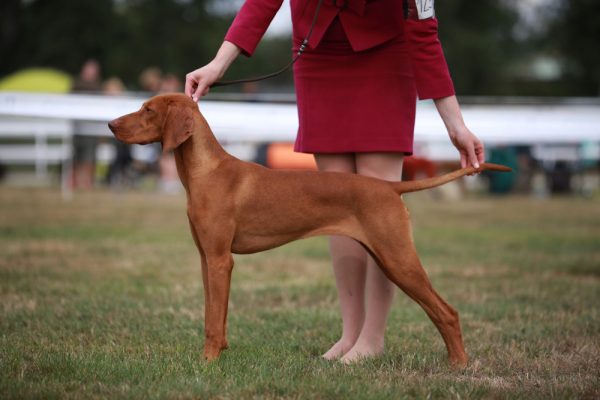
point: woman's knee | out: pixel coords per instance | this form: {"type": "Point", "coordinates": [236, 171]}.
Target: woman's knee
{"type": "Point", "coordinates": [387, 166]}
{"type": "Point", "coordinates": [345, 250]}
{"type": "Point", "coordinates": [336, 162]}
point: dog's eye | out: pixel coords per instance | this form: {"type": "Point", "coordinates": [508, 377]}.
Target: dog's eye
{"type": "Point", "coordinates": [148, 110]}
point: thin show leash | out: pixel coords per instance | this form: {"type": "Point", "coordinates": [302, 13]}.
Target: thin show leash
{"type": "Point", "coordinates": [282, 70]}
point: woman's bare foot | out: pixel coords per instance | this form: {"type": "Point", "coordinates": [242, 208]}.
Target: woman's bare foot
{"type": "Point", "coordinates": [362, 350]}
{"type": "Point", "coordinates": [338, 350]}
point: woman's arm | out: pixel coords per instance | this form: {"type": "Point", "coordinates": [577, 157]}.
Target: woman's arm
{"type": "Point", "coordinates": [198, 82]}
{"type": "Point", "coordinates": [469, 146]}
{"type": "Point", "coordinates": [251, 23]}
{"type": "Point", "coordinates": [243, 36]}
{"type": "Point", "coordinates": [432, 77]}
{"type": "Point", "coordinates": [433, 80]}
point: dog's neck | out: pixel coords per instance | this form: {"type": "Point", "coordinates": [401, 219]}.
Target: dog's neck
{"type": "Point", "coordinates": [200, 154]}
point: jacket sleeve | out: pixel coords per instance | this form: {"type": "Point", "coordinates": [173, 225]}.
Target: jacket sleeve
{"type": "Point", "coordinates": [251, 23]}
{"type": "Point", "coordinates": [431, 72]}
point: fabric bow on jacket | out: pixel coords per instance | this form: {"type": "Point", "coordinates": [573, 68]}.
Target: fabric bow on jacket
{"type": "Point", "coordinates": [356, 6]}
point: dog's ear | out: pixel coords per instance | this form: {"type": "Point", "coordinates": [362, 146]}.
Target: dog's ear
{"type": "Point", "coordinates": [177, 128]}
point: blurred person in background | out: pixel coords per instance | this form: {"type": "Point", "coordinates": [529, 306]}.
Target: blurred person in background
{"type": "Point", "coordinates": [113, 86]}
{"type": "Point", "coordinates": [89, 78]}
{"type": "Point", "coordinates": [151, 80]}
{"type": "Point", "coordinates": [84, 146]}
{"type": "Point", "coordinates": [356, 87]}
{"type": "Point", "coordinates": [170, 84]}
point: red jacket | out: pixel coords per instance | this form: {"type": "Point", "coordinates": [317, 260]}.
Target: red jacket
{"type": "Point", "coordinates": [367, 23]}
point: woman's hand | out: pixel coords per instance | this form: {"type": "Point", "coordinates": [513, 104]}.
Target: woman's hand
{"type": "Point", "coordinates": [469, 146]}
{"type": "Point", "coordinates": [471, 149]}
{"type": "Point", "coordinates": [199, 81]}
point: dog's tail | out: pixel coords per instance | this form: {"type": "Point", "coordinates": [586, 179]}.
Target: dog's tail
{"type": "Point", "coordinates": [414, 186]}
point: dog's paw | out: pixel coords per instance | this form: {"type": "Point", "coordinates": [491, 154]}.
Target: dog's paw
{"type": "Point", "coordinates": [214, 349]}
{"type": "Point", "coordinates": [460, 362]}
{"type": "Point", "coordinates": [211, 355]}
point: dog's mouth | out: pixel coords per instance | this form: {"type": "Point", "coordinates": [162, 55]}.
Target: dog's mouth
{"type": "Point", "coordinates": [121, 136]}
{"type": "Point", "coordinates": [124, 135]}
{"type": "Point", "coordinates": [127, 137]}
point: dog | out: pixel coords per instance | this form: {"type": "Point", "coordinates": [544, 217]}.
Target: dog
{"type": "Point", "coordinates": [240, 207]}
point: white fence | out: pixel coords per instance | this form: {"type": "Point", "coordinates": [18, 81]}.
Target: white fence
{"type": "Point", "coordinates": [553, 130]}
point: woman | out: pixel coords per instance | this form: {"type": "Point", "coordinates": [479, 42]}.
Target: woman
{"type": "Point", "coordinates": [356, 87]}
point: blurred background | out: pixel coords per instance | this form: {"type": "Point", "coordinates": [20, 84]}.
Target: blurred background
{"type": "Point", "coordinates": [527, 73]}
{"type": "Point", "coordinates": [100, 285]}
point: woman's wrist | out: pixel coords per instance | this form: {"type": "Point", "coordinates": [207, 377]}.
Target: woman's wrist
{"type": "Point", "coordinates": [470, 148]}
{"type": "Point", "coordinates": [449, 111]}
{"type": "Point", "coordinates": [457, 130]}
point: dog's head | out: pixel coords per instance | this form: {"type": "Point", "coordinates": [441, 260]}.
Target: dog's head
{"type": "Point", "coordinates": [167, 118]}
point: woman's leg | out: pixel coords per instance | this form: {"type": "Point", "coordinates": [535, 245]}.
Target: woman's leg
{"type": "Point", "coordinates": [379, 289]}
{"type": "Point", "coordinates": [349, 268]}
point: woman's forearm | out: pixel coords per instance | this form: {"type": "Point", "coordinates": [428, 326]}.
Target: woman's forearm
{"type": "Point", "coordinates": [227, 53]}
{"type": "Point", "coordinates": [449, 110]}
{"type": "Point", "coordinates": [470, 148]}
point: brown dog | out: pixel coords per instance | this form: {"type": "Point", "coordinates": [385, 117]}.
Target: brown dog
{"type": "Point", "coordinates": [240, 207]}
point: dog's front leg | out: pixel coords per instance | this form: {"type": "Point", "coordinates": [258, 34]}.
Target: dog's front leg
{"type": "Point", "coordinates": [218, 281]}
{"type": "Point", "coordinates": [204, 264]}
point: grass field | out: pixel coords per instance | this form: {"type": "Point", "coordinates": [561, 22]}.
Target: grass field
{"type": "Point", "coordinates": [101, 297]}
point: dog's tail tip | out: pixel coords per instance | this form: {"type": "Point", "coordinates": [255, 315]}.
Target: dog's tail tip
{"type": "Point", "coordinates": [494, 167]}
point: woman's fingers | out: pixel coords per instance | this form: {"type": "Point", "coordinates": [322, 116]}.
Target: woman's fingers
{"type": "Point", "coordinates": [472, 156]}
{"type": "Point", "coordinates": [463, 159]}
{"type": "Point", "coordinates": [480, 150]}
{"type": "Point", "coordinates": [191, 82]}
{"type": "Point", "coordinates": [470, 148]}
{"type": "Point", "coordinates": [195, 86]}
{"type": "Point", "coordinates": [198, 82]}
{"type": "Point", "coordinates": [200, 91]}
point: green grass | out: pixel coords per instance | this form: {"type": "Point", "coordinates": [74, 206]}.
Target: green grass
{"type": "Point", "coordinates": [101, 297]}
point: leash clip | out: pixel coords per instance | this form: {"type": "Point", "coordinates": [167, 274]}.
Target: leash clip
{"type": "Point", "coordinates": [302, 46]}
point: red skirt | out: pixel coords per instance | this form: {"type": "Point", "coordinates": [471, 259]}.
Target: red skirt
{"type": "Point", "coordinates": [351, 102]}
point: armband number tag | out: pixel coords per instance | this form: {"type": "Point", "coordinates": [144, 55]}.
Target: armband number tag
{"type": "Point", "coordinates": [425, 8]}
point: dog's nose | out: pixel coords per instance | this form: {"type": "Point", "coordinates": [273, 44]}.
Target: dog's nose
{"type": "Point", "coordinates": [112, 125]}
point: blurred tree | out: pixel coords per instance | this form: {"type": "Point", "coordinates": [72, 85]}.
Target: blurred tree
{"type": "Point", "coordinates": [62, 33]}
{"type": "Point", "coordinates": [9, 33]}
{"type": "Point", "coordinates": [480, 38]}
{"type": "Point", "coordinates": [574, 37]}
{"type": "Point", "coordinates": [126, 36]}
{"type": "Point", "coordinates": [171, 35]}
{"type": "Point", "coordinates": [479, 43]}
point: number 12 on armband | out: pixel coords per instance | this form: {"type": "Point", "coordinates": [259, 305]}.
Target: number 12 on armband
{"type": "Point", "coordinates": [425, 8]}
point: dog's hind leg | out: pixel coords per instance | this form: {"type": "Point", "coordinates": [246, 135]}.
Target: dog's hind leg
{"type": "Point", "coordinates": [394, 251]}
{"type": "Point", "coordinates": [409, 275]}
